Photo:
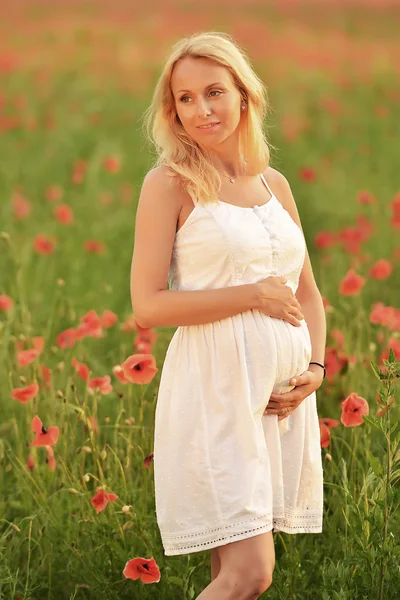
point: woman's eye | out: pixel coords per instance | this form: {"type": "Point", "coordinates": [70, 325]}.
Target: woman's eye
{"type": "Point", "coordinates": [185, 97]}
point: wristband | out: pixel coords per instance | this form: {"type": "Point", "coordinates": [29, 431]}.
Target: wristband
{"type": "Point", "coordinates": [317, 363]}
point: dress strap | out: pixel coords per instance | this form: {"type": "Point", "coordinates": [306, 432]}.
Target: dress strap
{"type": "Point", "coordinates": [266, 184]}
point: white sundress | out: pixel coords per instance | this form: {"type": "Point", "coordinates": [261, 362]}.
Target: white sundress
{"type": "Point", "coordinates": [224, 471]}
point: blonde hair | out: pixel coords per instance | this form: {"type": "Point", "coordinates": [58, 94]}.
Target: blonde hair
{"type": "Point", "coordinates": [175, 148]}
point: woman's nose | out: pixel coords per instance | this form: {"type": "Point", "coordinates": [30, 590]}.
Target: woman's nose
{"type": "Point", "coordinates": [203, 108]}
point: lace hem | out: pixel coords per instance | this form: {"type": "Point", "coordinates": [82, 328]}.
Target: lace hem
{"type": "Point", "coordinates": [178, 543]}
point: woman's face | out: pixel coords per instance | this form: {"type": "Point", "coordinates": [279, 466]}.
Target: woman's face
{"type": "Point", "coordinates": [205, 93]}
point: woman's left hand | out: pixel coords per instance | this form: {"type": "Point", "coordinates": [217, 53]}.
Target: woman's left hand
{"type": "Point", "coordinates": [306, 383]}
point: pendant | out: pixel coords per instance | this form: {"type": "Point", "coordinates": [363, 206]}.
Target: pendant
{"type": "Point", "coordinates": [231, 179]}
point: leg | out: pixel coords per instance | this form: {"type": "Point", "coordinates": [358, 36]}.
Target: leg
{"type": "Point", "coordinates": [246, 569]}
{"type": "Point", "coordinates": [215, 563]}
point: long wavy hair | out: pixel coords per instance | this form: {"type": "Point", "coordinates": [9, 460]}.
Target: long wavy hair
{"type": "Point", "coordinates": [179, 151]}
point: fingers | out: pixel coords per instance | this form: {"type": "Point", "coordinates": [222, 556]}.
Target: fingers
{"type": "Point", "coordinates": [281, 412]}
{"type": "Point", "coordinates": [295, 318]}
{"type": "Point", "coordinates": [302, 379]}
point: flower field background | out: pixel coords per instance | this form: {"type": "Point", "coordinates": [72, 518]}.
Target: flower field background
{"type": "Point", "coordinates": [79, 378]}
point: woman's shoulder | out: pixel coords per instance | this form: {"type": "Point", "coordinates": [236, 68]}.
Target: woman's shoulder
{"type": "Point", "coordinates": [275, 177]}
{"type": "Point", "coordinates": [160, 172]}
{"type": "Point", "coordinates": [164, 175]}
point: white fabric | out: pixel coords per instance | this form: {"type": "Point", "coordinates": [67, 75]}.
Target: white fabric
{"type": "Point", "coordinates": [223, 470]}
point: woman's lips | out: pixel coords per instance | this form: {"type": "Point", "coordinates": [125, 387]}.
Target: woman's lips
{"type": "Point", "coordinates": [209, 128]}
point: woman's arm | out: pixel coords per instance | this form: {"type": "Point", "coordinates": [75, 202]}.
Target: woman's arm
{"type": "Point", "coordinates": [314, 315]}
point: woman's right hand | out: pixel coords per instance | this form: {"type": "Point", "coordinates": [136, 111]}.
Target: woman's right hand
{"type": "Point", "coordinates": [276, 299]}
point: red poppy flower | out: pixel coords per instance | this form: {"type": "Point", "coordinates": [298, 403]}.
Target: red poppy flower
{"type": "Point", "coordinates": [395, 204]}
{"type": "Point", "coordinates": [25, 394]}
{"type": "Point", "coordinates": [330, 423]}
{"type": "Point", "coordinates": [103, 384]}
{"type": "Point", "coordinates": [140, 368]}
{"type": "Point", "coordinates": [63, 213]}
{"type": "Point", "coordinates": [43, 244]}
{"type": "Point", "coordinates": [90, 326]}
{"type": "Point", "coordinates": [325, 435]}
{"type": "Point", "coordinates": [67, 338]}
{"type": "Point", "coordinates": [26, 357]}
{"type": "Point", "coordinates": [148, 460]}
{"type": "Point", "coordinates": [79, 170]}
{"type": "Point", "coordinates": [325, 239]}
{"type": "Point", "coordinates": [335, 361]}
{"type": "Point", "coordinates": [145, 340]}
{"type": "Point", "coordinates": [395, 345]}
{"type": "Point", "coordinates": [351, 284]}
{"type": "Point", "coordinates": [112, 164]}
{"type": "Point", "coordinates": [338, 336]}
{"type": "Point", "coordinates": [326, 303]}
{"type": "Point", "coordinates": [307, 174]}
{"type": "Point", "coordinates": [94, 246]}
{"type": "Point", "coordinates": [365, 197]}
{"type": "Point", "coordinates": [351, 238]}
{"type": "Point", "coordinates": [101, 499]}
{"type": "Point", "coordinates": [142, 568]}
{"type": "Point", "coordinates": [82, 370]}
{"type": "Point", "coordinates": [381, 314]}
{"type": "Point", "coordinates": [395, 221]}
{"type": "Point", "coordinates": [6, 303]}
{"type": "Point", "coordinates": [365, 227]}
{"type": "Point", "coordinates": [38, 343]}
{"type": "Point", "coordinates": [108, 318]}
{"type": "Point", "coordinates": [51, 461]}
{"type": "Point", "coordinates": [130, 325]}
{"type": "Point", "coordinates": [119, 373]}
{"type": "Point", "coordinates": [54, 192]}
{"type": "Point", "coordinates": [381, 269]}
{"type": "Point", "coordinates": [44, 437]}
{"type": "Point", "coordinates": [21, 207]}
{"type": "Point", "coordinates": [353, 407]}
{"type": "Point", "coordinates": [45, 375]}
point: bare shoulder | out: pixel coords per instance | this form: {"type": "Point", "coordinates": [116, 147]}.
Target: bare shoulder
{"type": "Point", "coordinates": [275, 177]}
{"type": "Point", "coordinates": [282, 190]}
{"type": "Point", "coordinates": [163, 177]}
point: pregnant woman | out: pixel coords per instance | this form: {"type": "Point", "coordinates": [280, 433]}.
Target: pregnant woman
{"type": "Point", "coordinates": [220, 254]}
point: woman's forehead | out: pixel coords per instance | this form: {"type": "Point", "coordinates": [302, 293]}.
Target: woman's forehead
{"type": "Point", "coordinates": [193, 74]}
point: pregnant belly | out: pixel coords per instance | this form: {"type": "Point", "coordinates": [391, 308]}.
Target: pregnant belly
{"type": "Point", "coordinates": [288, 337]}
{"type": "Point", "coordinates": [251, 342]}
{"type": "Point", "coordinates": [231, 366]}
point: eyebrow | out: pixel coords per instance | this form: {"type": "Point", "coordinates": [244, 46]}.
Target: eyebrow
{"type": "Point", "coordinates": [206, 88]}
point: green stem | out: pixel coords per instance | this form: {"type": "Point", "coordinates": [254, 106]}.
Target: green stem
{"type": "Point", "coordinates": [386, 509]}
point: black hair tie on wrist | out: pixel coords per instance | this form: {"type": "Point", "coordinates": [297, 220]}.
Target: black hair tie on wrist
{"type": "Point", "coordinates": [317, 363]}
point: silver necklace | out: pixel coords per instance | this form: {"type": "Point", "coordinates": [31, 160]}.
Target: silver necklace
{"type": "Point", "coordinates": [233, 179]}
